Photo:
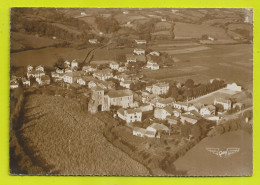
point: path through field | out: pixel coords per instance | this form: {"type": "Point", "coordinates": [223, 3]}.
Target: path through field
{"type": "Point", "coordinates": [72, 140]}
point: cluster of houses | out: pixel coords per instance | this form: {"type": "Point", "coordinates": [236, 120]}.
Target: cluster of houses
{"type": "Point", "coordinates": [129, 105]}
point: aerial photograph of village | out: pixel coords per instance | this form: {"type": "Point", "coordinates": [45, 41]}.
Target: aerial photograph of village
{"type": "Point", "coordinates": [131, 91]}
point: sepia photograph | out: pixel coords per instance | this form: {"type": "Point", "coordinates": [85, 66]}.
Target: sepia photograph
{"type": "Point", "coordinates": [131, 91]}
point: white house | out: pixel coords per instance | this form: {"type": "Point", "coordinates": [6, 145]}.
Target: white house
{"type": "Point", "coordinates": [35, 74]}
{"type": "Point", "coordinates": [67, 63]}
{"type": "Point", "coordinates": [208, 110]}
{"type": "Point", "coordinates": [39, 68]}
{"type": "Point", "coordinates": [29, 68]}
{"type": "Point", "coordinates": [164, 102]}
{"type": "Point", "coordinates": [93, 41]}
{"type": "Point", "coordinates": [88, 69]}
{"type": "Point", "coordinates": [152, 65]}
{"type": "Point", "coordinates": [126, 84]}
{"type": "Point", "coordinates": [14, 84]}
{"type": "Point", "coordinates": [68, 70]}
{"type": "Point", "coordinates": [122, 69]}
{"type": "Point", "coordinates": [162, 113]}
{"type": "Point", "coordinates": [26, 82]}
{"type": "Point", "coordinates": [71, 77]}
{"type": "Point", "coordinates": [140, 42]}
{"type": "Point", "coordinates": [83, 13]}
{"type": "Point", "coordinates": [91, 84]}
{"type": "Point", "coordinates": [130, 115]}
{"type": "Point", "coordinates": [139, 51]}
{"type": "Point", "coordinates": [177, 112]}
{"type": "Point", "coordinates": [114, 65]}
{"type": "Point", "coordinates": [154, 53]}
{"type": "Point", "coordinates": [104, 74]}
{"type": "Point", "coordinates": [234, 87]}
{"type": "Point", "coordinates": [74, 64]}
{"type": "Point", "coordinates": [60, 71]}
{"type": "Point", "coordinates": [130, 58]}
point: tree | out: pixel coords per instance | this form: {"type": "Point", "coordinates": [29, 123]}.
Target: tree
{"type": "Point", "coordinates": [60, 63]}
{"type": "Point", "coordinates": [196, 131]}
{"type": "Point", "coordinates": [189, 83]}
{"type": "Point", "coordinates": [219, 108]}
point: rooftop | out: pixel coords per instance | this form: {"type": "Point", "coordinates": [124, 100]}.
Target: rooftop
{"type": "Point", "coordinates": [119, 93]}
{"type": "Point", "coordinates": [158, 126]}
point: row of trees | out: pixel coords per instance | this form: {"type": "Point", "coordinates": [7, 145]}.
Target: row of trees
{"type": "Point", "coordinates": [190, 90]}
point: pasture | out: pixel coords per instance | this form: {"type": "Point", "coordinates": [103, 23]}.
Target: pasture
{"type": "Point", "coordinates": [22, 41]}
{"type": "Point", "coordinates": [209, 164]}
{"type": "Point", "coordinates": [71, 140]}
{"type": "Point", "coordinates": [46, 56]}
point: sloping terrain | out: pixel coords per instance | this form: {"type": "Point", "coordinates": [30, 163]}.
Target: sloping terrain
{"type": "Point", "coordinates": [72, 141]}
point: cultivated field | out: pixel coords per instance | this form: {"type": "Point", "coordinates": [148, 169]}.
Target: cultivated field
{"type": "Point", "coordinates": [188, 31]}
{"type": "Point", "coordinates": [72, 141]}
{"type": "Point", "coordinates": [232, 63]}
{"type": "Point", "coordinates": [238, 164]}
{"type": "Point", "coordinates": [47, 56]}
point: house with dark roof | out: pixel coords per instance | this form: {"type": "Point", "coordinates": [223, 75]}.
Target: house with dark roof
{"type": "Point", "coordinates": [187, 118]}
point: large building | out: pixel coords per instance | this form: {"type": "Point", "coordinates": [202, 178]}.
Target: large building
{"type": "Point", "coordinates": [102, 102]}
{"type": "Point", "coordinates": [224, 102]}
{"type": "Point", "coordinates": [160, 88]}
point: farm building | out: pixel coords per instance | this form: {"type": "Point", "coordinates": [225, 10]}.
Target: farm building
{"type": "Point", "coordinates": [139, 51]}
